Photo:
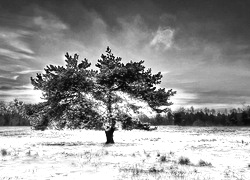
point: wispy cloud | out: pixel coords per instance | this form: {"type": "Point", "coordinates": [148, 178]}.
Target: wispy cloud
{"type": "Point", "coordinates": [16, 55]}
{"type": "Point", "coordinates": [12, 54]}
{"type": "Point", "coordinates": [13, 39]}
{"type": "Point", "coordinates": [134, 32]}
{"type": "Point", "coordinates": [28, 71]}
{"type": "Point", "coordinates": [7, 76]}
{"type": "Point", "coordinates": [20, 52]}
{"type": "Point", "coordinates": [163, 37]}
{"type": "Point", "coordinates": [49, 23]}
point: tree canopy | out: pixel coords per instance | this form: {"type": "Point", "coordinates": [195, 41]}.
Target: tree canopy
{"type": "Point", "coordinates": [65, 90]}
{"type": "Point", "coordinates": [71, 92]}
{"type": "Point", "coordinates": [131, 78]}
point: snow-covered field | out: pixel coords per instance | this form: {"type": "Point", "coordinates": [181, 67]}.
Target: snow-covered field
{"type": "Point", "coordinates": [81, 154]}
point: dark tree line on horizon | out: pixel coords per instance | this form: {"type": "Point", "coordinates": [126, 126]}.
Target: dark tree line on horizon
{"type": "Point", "coordinates": [11, 114]}
{"type": "Point", "coordinates": [207, 117]}
{"type": "Point", "coordinates": [202, 117]}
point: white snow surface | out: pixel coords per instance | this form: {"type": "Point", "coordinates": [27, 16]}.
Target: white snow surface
{"type": "Point", "coordinates": [136, 154]}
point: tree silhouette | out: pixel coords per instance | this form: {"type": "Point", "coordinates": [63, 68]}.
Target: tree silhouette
{"type": "Point", "coordinates": [132, 79]}
{"type": "Point", "coordinates": [71, 92]}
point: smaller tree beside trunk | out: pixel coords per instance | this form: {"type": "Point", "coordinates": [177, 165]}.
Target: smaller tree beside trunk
{"type": "Point", "coordinates": [66, 91]}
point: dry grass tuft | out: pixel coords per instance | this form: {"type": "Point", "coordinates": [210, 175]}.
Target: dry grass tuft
{"type": "Point", "coordinates": [136, 170]}
{"type": "Point", "coordinates": [4, 152]}
{"type": "Point", "coordinates": [204, 163]}
{"type": "Point", "coordinates": [163, 158]}
{"type": "Point", "coordinates": [184, 161]}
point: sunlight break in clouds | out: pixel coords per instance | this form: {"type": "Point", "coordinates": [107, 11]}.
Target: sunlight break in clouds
{"type": "Point", "coordinates": [163, 37]}
{"type": "Point", "coordinates": [182, 99]}
{"type": "Point", "coordinates": [24, 93]}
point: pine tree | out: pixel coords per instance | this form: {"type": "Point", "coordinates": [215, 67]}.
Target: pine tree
{"type": "Point", "coordinates": [71, 92]}
{"type": "Point", "coordinates": [131, 78]}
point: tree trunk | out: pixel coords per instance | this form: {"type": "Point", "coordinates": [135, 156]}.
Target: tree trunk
{"type": "Point", "coordinates": [109, 135]}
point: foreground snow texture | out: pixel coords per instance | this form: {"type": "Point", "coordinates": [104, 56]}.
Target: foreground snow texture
{"type": "Point", "coordinates": [81, 154]}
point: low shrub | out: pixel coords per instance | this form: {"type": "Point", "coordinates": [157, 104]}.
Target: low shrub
{"type": "Point", "coordinates": [184, 160]}
{"type": "Point", "coordinates": [163, 158]}
{"type": "Point", "coordinates": [4, 152]}
{"type": "Point", "coordinates": [204, 163]}
{"type": "Point", "coordinates": [155, 170]}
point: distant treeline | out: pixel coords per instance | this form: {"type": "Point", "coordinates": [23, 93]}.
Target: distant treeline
{"type": "Point", "coordinates": [202, 117]}
{"type": "Point", "coordinates": [11, 114]}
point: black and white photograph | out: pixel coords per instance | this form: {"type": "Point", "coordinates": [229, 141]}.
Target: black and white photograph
{"type": "Point", "coordinates": [125, 89]}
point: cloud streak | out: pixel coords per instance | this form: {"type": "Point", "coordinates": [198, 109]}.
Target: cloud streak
{"type": "Point", "coordinates": [14, 40]}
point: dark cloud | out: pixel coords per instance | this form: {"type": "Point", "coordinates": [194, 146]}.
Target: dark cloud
{"type": "Point", "coordinates": [223, 97]}
{"type": "Point", "coordinates": [3, 88]}
{"type": "Point", "coordinates": [203, 46]}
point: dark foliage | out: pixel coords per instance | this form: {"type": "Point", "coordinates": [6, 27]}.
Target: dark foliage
{"type": "Point", "coordinates": [131, 78]}
{"type": "Point", "coordinates": [65, 91]}
{"type": "Point", "coordinates": [206, 117]}
{"type": "Point", "coordinates": [11, 114]}
{"type": "Point", "coordinates": [129, 123]}
{"type": "Point", "coordinates": [72, 92]}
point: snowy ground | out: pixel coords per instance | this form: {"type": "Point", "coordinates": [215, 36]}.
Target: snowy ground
{"type": "Point", "coordinates": [81, 154]}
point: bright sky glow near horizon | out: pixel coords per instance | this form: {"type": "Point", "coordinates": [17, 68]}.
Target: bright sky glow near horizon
{"type": "Point", "coordinates": [202, 47]}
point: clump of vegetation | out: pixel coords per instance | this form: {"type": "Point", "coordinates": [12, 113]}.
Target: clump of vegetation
{"type": "Point", "coordinates": [128, 123]}
{"type": "Point", "coordinates": [155, 170]}
{"type": "Point", "coordinates": [204, 163]}
{"type": "Point", "coordinates": [4, 152]}
{"type": "Point", "coordinates": [209, 117]}
{"type": "Point", "coordinates": [147, 154]}
{"type": "Point", "coordinates": [171, 153]}
{"type": "Point", "coordinates": [158, 119]}
{"type": "Point", "coordinates": [163, 158]}
{"type": "Point", "coordinates": [184, 161]}
{"type": "Point", "coordinates": [11, 113]}
{"type": "Point", "coordinates": [28, 153]}
{"type": "Point", "coordinates": [106, 152]}
{"type": "Point", "coordinates": [177, 173]}
{"type": "Point", "coordinates": [136, 170]}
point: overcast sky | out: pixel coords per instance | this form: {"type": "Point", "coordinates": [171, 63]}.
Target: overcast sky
{"type": "Point", "coordinates": [202, 47]}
